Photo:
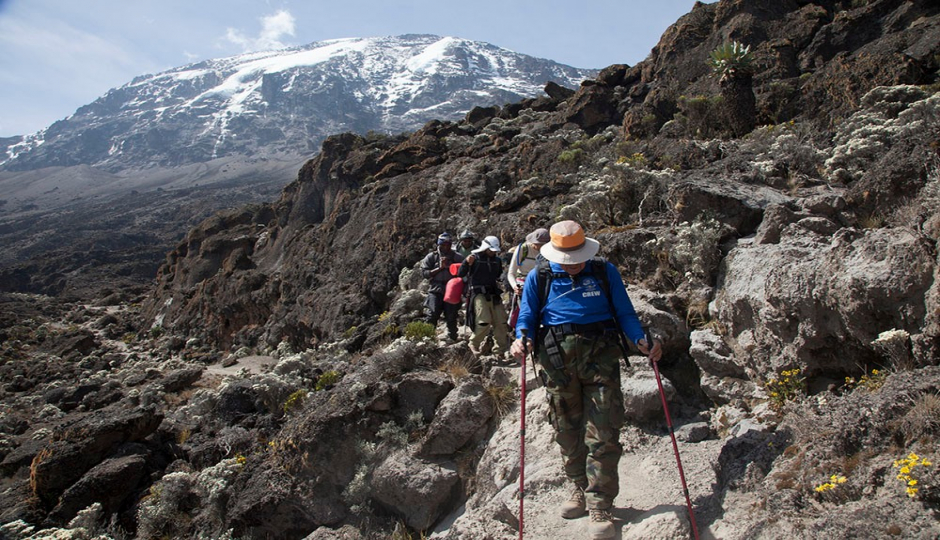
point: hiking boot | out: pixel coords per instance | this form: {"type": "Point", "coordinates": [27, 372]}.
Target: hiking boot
{"type": "Point", "coordinates": [574, 506]}
{"type": "Point", "coordinates": [602, 524]}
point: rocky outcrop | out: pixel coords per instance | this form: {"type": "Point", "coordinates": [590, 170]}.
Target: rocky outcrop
{"type": "Point", "coordinates": [820, 304]}
{"type": "Point", "coordinates": [76, 449]}
{"type": "Point", "coordinates": [297, 269]}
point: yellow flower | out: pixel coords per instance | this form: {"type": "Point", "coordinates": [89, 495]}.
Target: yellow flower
{"type": "Point", "coordinates": [912, 482]}
{"type": "Point", "coordinates": [926, 463]}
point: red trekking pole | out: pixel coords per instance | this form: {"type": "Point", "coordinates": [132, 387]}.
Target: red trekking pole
{"type": "Point", "coordinates": [675, 446]}
{"type": "Point", "coordinates": [525, 345]}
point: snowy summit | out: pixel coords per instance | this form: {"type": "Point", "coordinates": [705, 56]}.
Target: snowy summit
{"type": "Point", "coordinates": [287, 101]}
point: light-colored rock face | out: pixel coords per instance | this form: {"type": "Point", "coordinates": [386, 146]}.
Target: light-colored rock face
{"type": "Point", "coordinates": [816, 301]}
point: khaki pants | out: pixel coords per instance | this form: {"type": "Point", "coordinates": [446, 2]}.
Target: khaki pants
{"type": "Point", "coordinates": [489, 316]}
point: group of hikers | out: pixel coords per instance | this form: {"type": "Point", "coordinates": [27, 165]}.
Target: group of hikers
{"type": "Point", "coordinates": [569, 310]}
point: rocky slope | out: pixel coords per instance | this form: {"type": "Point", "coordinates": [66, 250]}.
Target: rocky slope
{"type": "Point", "coordinates": [791, 272]}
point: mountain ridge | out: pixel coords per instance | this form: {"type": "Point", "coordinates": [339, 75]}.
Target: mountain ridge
{"type": "Point", "coordinates": [286, 99]}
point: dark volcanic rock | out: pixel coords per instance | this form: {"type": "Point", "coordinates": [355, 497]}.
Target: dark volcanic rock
{"type": "Point", "coordinates": [80, 445]}
{"type": "Point", "coordinates": [110, 482]}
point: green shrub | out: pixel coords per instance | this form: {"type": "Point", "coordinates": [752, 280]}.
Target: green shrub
{"type": "Point", "coordinates": [732, 59]}
{"type": "Point", "coordinates": [701, 114]}
{"type": "Point", "coordinates": [573, 155]}
{"type": "Point", "coordinates": [295, 401]}
{"type": "Point", "coordinates": [327, 379]}
{"type": "Point", "coordinates": [416, 330]}
{"type": "Point", "coordinates": [638, 160]}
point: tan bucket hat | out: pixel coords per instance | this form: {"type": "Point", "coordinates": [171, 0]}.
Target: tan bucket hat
{"type": "Point", "coordinates": [569, 245]}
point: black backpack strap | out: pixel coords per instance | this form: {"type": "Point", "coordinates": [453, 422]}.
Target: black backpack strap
{"type": "Point", "coordinates": [599, 268]}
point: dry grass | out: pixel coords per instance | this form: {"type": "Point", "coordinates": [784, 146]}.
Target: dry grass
{"type": "Point", "coordinates": [696, 315]}
{"type": "Point", "coordinates": [460, 367]}
{"type": "Point", "coordinates": [503, 398]}
{"type": "Point", "coordinates": [872, 221]}
{"type": "Point", "coordinates": [923, 418]}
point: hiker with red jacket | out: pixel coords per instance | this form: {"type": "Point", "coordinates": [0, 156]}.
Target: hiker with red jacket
{"type": "Point", "coordinates": [436, 269]}
{"type": "Point", "coordinates": [485, 315]}
{"type": "Point", "coordinates": [575, 312]}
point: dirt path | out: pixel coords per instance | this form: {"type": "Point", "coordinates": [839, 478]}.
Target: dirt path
{"type": "Point", "coordinates": [651, 503]}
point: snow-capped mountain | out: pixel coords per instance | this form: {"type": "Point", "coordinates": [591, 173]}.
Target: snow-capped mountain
{"type": "Point", "coordinates": [285, 101]}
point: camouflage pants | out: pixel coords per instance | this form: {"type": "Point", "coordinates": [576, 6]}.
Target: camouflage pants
{"type": "Point", "coordinates": [587, 412]}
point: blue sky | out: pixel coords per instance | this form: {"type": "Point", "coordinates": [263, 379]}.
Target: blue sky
{"type": "Point", "coordinates": [57, 55]}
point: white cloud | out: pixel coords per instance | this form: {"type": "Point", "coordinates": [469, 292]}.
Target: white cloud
{"type": "Point", "coordinates": [273, 29]}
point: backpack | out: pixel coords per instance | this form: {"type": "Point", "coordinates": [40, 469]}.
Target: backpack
{"type": "Point", "coordinates": [598, 268]}
{"type": "Point", "coordinates": [522, 253]}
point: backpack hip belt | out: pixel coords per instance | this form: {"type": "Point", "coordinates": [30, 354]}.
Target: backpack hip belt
{"type": "Point", "coordinates": [589, 329]}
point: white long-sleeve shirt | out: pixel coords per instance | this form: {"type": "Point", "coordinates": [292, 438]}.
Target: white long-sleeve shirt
{"type": "Point", "coordinates": [519, 269]}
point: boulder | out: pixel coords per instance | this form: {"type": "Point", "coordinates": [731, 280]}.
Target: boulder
{"type": "Point", "coordinates": [662, 523]}
{"type": "Point", "coordinates": [110, 482]}
{"type": "Point", "coordinates": [694, 432]}
{"type": "Point", "coordinates": [819, 303]}
{"type": "Point", "coordinates": [181, 379]}
{"type": "Point", "coordinates": [460, 416]}
{"type": "Point", "coordinates": [418, 490]}
{"type": "Point", "coordinates": [346, 532]}
{"type": "Point", "coordinates": [77, 447]}
{"type": "Point", "coordinates": [422, 391]}
{"type": "Point", "coordinates": [641, 400]}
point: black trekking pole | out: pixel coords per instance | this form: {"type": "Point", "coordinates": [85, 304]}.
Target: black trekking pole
{"type": "Point", "coordinates": [525, 348]}
{"type": "Point", "coordinates": [675, 446]}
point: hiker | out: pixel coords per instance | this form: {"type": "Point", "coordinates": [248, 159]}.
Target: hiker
{"type": "Point", "coordinates": [577, 324]}
{"type": "Point", "coordinates": [466, 243]}
{"type": "Point", "coordinates": [485, 314]}
{"type": "Point", "coordinates": [436, 269]}
{"type": "Point", "coordinates": [523, 258]}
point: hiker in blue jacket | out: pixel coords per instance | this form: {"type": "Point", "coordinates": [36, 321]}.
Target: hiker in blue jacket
{"type": "Point", "coordinates": [580, 344]}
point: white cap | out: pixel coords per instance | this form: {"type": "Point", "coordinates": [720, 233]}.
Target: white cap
{"type": "Point", "coordinates": [490, 243]}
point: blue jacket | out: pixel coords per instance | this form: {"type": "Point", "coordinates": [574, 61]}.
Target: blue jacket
{"type": "Point", "coordinates": [580, 302]}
